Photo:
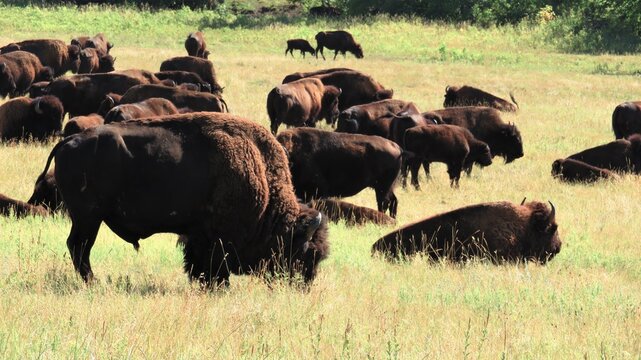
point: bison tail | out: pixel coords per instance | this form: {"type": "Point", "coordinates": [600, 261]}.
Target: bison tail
{"type": "Point", "coordinates": [514, 100]}
{"type": "Point", "coordinates": [51, 155]}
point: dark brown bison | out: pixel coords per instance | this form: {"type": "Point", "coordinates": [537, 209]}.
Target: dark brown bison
{"type": "Point", "coordinates": [83, 94]}
{"type": "Point", "coordinates": [620, 155]}
{"type": "Point", "coordinates": [9, 206]}
{"type": "Point", "coordinates": [146, 108]}
{"type": "Point", "coordinates": [82, 123]}
{"type": "Point", "coordinates": [299, 75]}
{"type": "Point", "coordinates": [108, 103]}
{"type": "Point", "coordinates": [184, 77]}
{"type": "Point", "coordinates": [402, 121]}
{"type": "Point", "coordinates": [46, 194]}
{"type": "Point", "coordinates": [302, 103]}
{"type": "Point", "coordinates": [337, 210]}
{"type": "Point", "coordinates": [453, 145]}
{"type": "Point", "coordinates": [299, 44]}
{"type": "Point", "coordinates": [55, 54]}
{"type": "Point", "coordinates": [500, 231]}
{"type": "Point", "coordinates": [357, 87]}
{"type": "Point", "coordinates": [486, 124]}
{"type": "Point", "coordinates": [98, 42]}
{"type": "Point", "coordinates": [203, 67]}
{"type": "Point", "coordinates": [196, 46]}
{"type": "Point", "coordinates": [373, 118]}
{"type": "Point", "coordinates": [91, 62]}
{"type": "Point", "coordinates": [626, 119]}
{"type": "Point", "coordinates": [325, 11]}
{"type": "Point", "coordinates": [471, 96]}
{"type": "Point", "coordinates": [193, 100]}
{"type": "Point", "coordinates": [329, 164]}
{"type": "Point", "coordinates": [577, 171]}
{"type": "Point", "coordinates": [339, 41]}
{"type": "Point", "coordinates": [231, 195]}
{"type": "Point", "coordinates": [18, 71]}
{"type": "Point", "coordinates": [25, 118]}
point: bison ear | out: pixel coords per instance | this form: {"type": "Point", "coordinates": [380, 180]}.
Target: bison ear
{"type": "Point", "coordinates": [544, 221]}
{"type": "Point", "coordinates": [109, 46]}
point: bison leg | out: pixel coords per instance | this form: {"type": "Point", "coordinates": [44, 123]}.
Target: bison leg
{"type": "Point", "coordinates": [335, 54]}
{"type": "Point", "coordinates": [320, 49]}
{"type": "Point", "coordinates": [454, 171]}
{"type": "Point", "coordinates": [274, 127]}
{"type": "Point", "coordinates": [426, 168]}
{"type": "Point", "coordinates": [80, 241]}
{"type": "Point", "coordinates": [205, 261]}
{"type": "Point", "coordinates": [385, 197]}
{"type": "Point", "coordinates": [415, 165]}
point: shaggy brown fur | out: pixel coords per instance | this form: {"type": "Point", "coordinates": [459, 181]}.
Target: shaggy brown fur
{"type": "Point", "coordinates": [620, 155]}
{"type": "Point", "coordinates": [24, 118]}
{"type": "Point", "coordinates": [203, 67]}
{"type": "Point", "coordinates": [194, 100]}
{"type": "Point", "coordinates": [358, 88]}
{"type": "Point", "coordinates": [91, 62]}
{"type": "Point", "coordinates": [453, 145]}
{"type": "Point", "coordinates": [229, 183]}
{"type": "Point", "coordinates": [18, 71]}
{"type": "Point", "coordinates": [302, 103]}
{"type": "Point", "coordinates": [196, 46]}
{"type": "Point", "coordinates": [339, 41]}
{"type": "Point", "coordinates": [100, 43]}
{"type": "Point", "coordinates": [373, 118]}
{"type": "Point", "coordinates": [499, 231]}
{"type": "Point", "coordinates": [577, 171]}
{"type": "Point", "coordinates": [471, 96]}
{"type": "Point", "coordinates": [147, 108]}
{"type": "Point", "coordinates": [10, 206]}
{"type": "Point", "coordinates": [38, 89]}
{"type": "Point", "coordinates": [46, 194]}
{"type": "Point", "coordinates": [299, 44]}
{"type": "Point", "coordinates": [337, 210]}
{"type": "Point", "coordinates": [82, 123]}
{"type": "Point", "coordinates": [52, 53]}
{"type": "Point", "coordinates": [108, 103]}
{"type": "Point", "coordinates": [626, 119]}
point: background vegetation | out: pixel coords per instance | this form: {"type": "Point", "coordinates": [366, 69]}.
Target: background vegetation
{"type": "Point", "coordinates": [585, 303]}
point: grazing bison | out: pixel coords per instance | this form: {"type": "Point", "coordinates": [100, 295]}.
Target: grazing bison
{"type": "Point", "coordinates": [110, 100]}
{"type": "Point", "coordinates": [231, 195]}
{"type": "Point", "coordinates": [471, 96]}
{"type": "Point", "coordinates": [19, 208]}
{"type": "Point", "coordinates": [203, 67]}
{"type": "Point", "coordinates": [193, 100]}
{"type": "Point", "coordinates": [402, 121]}
{"type": "Point", "coordinates": [147, 108]}
{"type": "Point", "coordinates": [83, 94]}
{"type": "Point", "coordinates": [82, 123]}
{"type": "Point", "coordinates": [486, 124]}
{"type": "Point", "coordinates": [91, 62]}
{"type": "Point", "coordinates": [626, 119]}
{"type": "Point", "coordinates": [577, 171]}
{"type": "Point", "coordinates": [500, 231]}
{"type": "Point", "coordinates": [373, 118]}
{"type": "Point", "coordinates": [98, 42]}
{"type": "Point", "coordinates": [46, 194]}
{"type": "Point", "coordinates": [339, 41]}
{"type": "Point", "coordinates": [453, 145]}
{"type": "Point", "coordinates": [302, 103]}
{"type": "Point", "coordinates": [196, 46]}
{"type": "Point", "coordinates": [18, 71]}
{"type": "Point", "coordinates": [25, 118]}
{"type": "Point", "coordinates": [620, 155]}
{"type": "Point", "coordinates": [299, 44]}
{"type": "Point", "coordinates": [329, 164]}
{"type": "Point", "coordinates": [337, 210]}
{"type": "Point", "coordinates": [357, 87]}
{"type": "Point", "coordinates": [55, 54]}
{"type": "Point", "coordinates": [184, 77]}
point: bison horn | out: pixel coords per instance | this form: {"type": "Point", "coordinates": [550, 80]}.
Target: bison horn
{"type": "Point", "coordinates": [553, 212]}
{"type": "Point", "coordinates": [37, 107]}
{"type": "Point", "coordinates": [314, 225]}
{"type": "Point", "coordinates": [523, 202]}
{"type": "Point", "coordinates": [340, 91]}
{"type": "Point", "coordinates": [447, 88]}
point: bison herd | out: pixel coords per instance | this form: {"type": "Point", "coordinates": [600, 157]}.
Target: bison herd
{"type": "Point", "coordinates": [149, 152]}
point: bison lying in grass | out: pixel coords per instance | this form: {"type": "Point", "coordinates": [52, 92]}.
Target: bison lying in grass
{"type": "Point", "coordinates": [499, 231]}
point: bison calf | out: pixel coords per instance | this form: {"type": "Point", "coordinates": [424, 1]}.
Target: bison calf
{"type": "Point", "coordinates": [620, 155]}
{"type": "Point", "coordinates": [337, 210]}
{"type": "Point", "coordinates": [626, 119]}
{"type": "Point", "coordinates": [471, 96]}
{"type": "Point", "coordinates": [299, 44]}
{"type": "Point", "coordinates": [18, 71]}
{"type": "Point", "coordinates": [147, 108]}
{"type": "Point", "coordinates": [203, 67]}
{"type": "Point", "coordinates": [339, 41]}
{"type": "Point", "coordinates": [449, 144]}
{"type": "Point", "coordinates": [19, 208]}
{"type": "Point", "coordinates": [196, 46]}
{"type": "Point", "coordinates": [82, 123]}
{"type": "Point", "coordinates": [46, 194]}
{"type": "Point", "coordinates": [500, 231]}
{"type": "Point", "coordinates": [577, 171]}
{"type": "Point", "coordinates": [24, 118]}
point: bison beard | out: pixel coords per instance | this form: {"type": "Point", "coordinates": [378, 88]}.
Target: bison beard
{"type": "Point", "coordinates": [500, 231]}
{"type": "Point", "coordinates": [218, 179]}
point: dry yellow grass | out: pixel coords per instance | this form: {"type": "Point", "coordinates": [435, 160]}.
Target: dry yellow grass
{"type": "Point", "coordinates": [586, 302]}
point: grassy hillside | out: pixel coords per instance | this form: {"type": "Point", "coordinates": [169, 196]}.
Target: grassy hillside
{"type": "Point", "coordinates": [585, 303]}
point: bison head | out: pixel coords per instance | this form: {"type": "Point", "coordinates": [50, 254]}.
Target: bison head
{"type": "Point", "coordinates": [46, 193]}
{"type": "Point", "coordinates": [110, 101]}
{"type": "Point", "coordinates": [47, 121]}
{"type": "Point", "coordinates": [74, 58]}
{"type": "Point", "coordinates": [330, 104]}
{"type": "Point", "coordinates": [450, 96]}
{"type": "Point", "coordinates": [63, 89]}
{"type": "Point", "coordinates": [7, 83]}
{"type": "Point", "coordinates": [557, 168]}
{"type": "Point", "coordinates": [510, 144]}
{"type": "Point", "coordinates": [38, 89]}
{"type": "Point", "coordinates": [347, 121]}
{"type": "Point", "coordinates": [309, 245]}
{"type": "Point", "coordinates": [484, 156]}
{"type": "Point", "coordinates": [106, 64]}
{"type": "Point", "coordinates": [542, 242]}
{"type": "Point", "coordinates": [384, 94]}
{"type": "Point", "coordinates": [358, 51]}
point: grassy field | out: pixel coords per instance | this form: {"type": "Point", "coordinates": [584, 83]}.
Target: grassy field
{"type": "Point", "coordinates": [585, 303]}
